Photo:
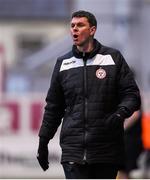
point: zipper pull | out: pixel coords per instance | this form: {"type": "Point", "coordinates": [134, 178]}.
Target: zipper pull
{"type": "Point", "coordinates": [83, 54]}
{"type": "Point", "coordinates": [84, 58]}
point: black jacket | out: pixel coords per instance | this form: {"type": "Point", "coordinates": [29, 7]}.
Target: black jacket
{"type": "Point", "coordinates": [85, 90]}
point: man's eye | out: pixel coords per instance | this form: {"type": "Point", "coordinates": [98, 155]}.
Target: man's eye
{"type": "Point", "coordinates": [80, 25]}
{"type": "Point", "coordinates": [77, 25]}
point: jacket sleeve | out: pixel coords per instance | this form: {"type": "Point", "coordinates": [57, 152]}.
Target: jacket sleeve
{"type": "Point", "coordinates": [128, 91]}
{"type": "Point", "coordinates": [55, 106]}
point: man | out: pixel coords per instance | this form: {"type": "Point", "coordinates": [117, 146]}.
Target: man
{"type": "Point", "coordinates": [93, 91]}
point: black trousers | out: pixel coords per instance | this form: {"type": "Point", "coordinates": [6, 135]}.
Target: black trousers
{"type": "Point", "coordinates": [89, 171]}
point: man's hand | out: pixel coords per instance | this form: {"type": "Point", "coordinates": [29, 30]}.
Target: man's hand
{"type": "Point", "coordinates": [114, 121]}
{"type": "Point", "coordinates": [42, 154]}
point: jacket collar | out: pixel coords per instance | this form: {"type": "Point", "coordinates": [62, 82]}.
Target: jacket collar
{"type": "Point", "coordinates": [79, 54]}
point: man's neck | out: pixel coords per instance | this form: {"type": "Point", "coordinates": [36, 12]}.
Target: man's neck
{"type": "Point", "coordinates": [88, 47]}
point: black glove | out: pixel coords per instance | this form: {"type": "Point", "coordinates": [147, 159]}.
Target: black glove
{"type": "Point", "coordinates": [42, 155]}
{"type": "Point", "coordinates": [116, 119]}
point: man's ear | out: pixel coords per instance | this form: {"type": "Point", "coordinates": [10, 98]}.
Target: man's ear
{"type": "Point", "coordinates": [92, 30]}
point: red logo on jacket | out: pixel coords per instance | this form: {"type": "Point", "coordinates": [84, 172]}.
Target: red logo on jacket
{"type": "Point", "coordinates": [101, 73]}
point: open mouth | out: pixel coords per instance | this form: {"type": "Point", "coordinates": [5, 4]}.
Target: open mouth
{"type": "Point", "coordinates": [75, 36]}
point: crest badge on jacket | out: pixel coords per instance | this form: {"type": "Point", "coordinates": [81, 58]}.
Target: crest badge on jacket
{"type": "Point", "coordinates": [100, 73]}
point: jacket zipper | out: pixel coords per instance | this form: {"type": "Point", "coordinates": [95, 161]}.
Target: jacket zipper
{"type": "Point", "coordinates": [85, 107]}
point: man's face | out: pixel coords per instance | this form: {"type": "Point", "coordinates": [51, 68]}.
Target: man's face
{"type": "Point", "coordinates": [81, 30]}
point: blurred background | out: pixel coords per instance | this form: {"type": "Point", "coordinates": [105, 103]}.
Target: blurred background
{"type": "Point", "coordinates": [33, 33]}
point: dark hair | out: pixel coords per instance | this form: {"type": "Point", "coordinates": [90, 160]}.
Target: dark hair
{"type": "Point", "coordinates": [91, 18]}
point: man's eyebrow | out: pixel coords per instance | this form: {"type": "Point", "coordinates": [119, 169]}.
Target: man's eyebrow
{"type": "Point", "coordinates": [78, 23]}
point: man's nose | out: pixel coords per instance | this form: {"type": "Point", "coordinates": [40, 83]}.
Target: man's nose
{"type": "Point", "coordinates": [75, 28]}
